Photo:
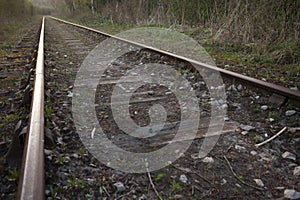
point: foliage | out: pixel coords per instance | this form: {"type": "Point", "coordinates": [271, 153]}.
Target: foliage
{"type": "Point", "coordinates": [159, 177]}
{"type": "Point", "coordinates": [13, 175]}
{"type": "Point", "coordinates": [262, 21]}
{"type": "Point", "coordinates": [176, 186]}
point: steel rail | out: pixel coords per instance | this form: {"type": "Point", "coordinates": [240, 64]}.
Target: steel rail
{"type": "Point", "coordinates": [31, 183]}
{"type": "Point", "coordinates": [289, 93]}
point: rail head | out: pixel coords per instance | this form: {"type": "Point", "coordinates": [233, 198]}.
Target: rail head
{"type": "Point", "coordinates": [31, 183]}
{"type": "Point", "coordinates": [289, 93]}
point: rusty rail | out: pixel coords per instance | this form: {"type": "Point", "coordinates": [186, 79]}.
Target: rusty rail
{"type": "Point", "coordinates": [31, 183]}
{"type": "Point", "coordinates": [292, 94]}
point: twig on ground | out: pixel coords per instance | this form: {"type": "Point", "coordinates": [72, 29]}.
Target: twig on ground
{"type": "Point", "coordinates": [271, 138]}
{"type": "Point", "coordinates": [152, 184]}
{"type": "Point", "coordinates": [235, 175]}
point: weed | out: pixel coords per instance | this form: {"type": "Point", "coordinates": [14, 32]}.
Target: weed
{"type": "Point", "coordinates": [64, 145]}
{"type": "Point", "coordinates": [81, 151]}
{"type": "Point", "coordinates": [76, 183]}
{"type": "Point", "coordinates": [61, 160]}
{"type": "Point", "coordinates": [48, 112]}
{"type": "Point", "coordinates": [54, 191]}
{"type": "Point", "coordinates": [256, 110]}
{"type": "Point", "coordinates": [176, 186]}
{"type": "Point", "coordinates": [159, 177]}
{"type": "Point", "coordinates": [273, 115]}
{"type": "Point", "coordinates": [14, 175]}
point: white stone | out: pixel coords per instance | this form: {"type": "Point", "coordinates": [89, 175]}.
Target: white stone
{"type": "Point", "coordinates": [291, 194]}
{"type": "Point", "coordinates": [223, 181]}
{"type": "Point", "coordinates": [240, 87]}
{"type": "Point", "coordinates": [232, 88]}
{"type": "Point", "coordinates": [244, 132]}
{"type": "Point", "coordinates": [120, 186]}
{"type": "Point", "coordinates": [297, 171]}
{"type": "Point", "coordinates": [183, 179]}
{"type": "Point", "coordinates": [208, 160]}
{"type": "Point", "coordinates": [70, 94]}
{"type": "Point", "coordinates": [271, 120]}
{"type": "Point", "coordinates": [290, 113]}
{"type": "Point", "coordinates": [289, 155]}
{"type": "Point", "coordinates": [253, 153]}
{"type": "Point", "coordinates": [264, 107]}
{"type": "Point", "coordinates": [238, 147]}
{"type": "Point", "coordinates": [259, 182]}
{"type": "Point", "coordinates": [246, 127]}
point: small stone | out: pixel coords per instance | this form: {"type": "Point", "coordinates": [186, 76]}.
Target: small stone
{"type": "Point", "coordinates": [120, 186]}
{"type": "Point", "coordinates": [226, 119]}
{"type": "Point", "coordinates": [224, 106]}
{"type": "Point", "coordinates": [143, 197]}
{"type": "Point", "coordinates": [264, 107]}
{"type": "Point", "coordinates": [232, 88]}
{"type": "Point", "coordinates": [70, 94]}
{"type": "Point", "coordinates": [48, 152]}
{"type": "Point", "coordinates": [271, 120]}
{"type": "Point", "coordinates": [75, 155]}
{"type": "Point", "coordinates": [238, 147]}
{"type": "Point", "coordinates": [183, 179]}
{"type": "Point", "coordinates": [151, 92]}
{"type": "Point", "coordinates": [238, 185]}
{"type": "Point", "coordinates": [253, 153]}
{"type": "Point", "coordinates": [246, 127]}
{"type": "Point", "coordinates": [291, 194]}
{"type": "Point", "coordinates": [259, 182]}
{"type": "Point", "coordinates": [244, 132]}
{"type": "Point", "coordinates": [47, 192]}
{"type": "Point", "coordinates": [223, 181]}
{"type": "Point", "coordinates": [65, 56]}
{"type": "Point", "coordinates": [240, 87]}
{"type": "Point", "coordinates": [208, 160]}
{"type": "Point", "coordinates": [290, 113]}
{"type": "Point", "coordinates": [257, 97]}
{"type": "Point", "coordinates": [90, 181]}
{"type": "Point", "coordinates": [297, 171]}
{"type": "Point", "coordinates": [288, 155]}
{"type": "Point", "coordinates": [291, 165]}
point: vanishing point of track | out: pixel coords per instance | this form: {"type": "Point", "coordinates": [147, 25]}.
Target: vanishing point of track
{"type": "Point", "coordinates": [31, 183]}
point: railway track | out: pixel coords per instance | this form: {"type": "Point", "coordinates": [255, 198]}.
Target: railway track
{"type": "Point", "coordinates": [81, 40]}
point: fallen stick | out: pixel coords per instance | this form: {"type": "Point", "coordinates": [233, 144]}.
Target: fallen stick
{"type": "Point", "coordinates": [271, 138]}
{"type": "Point", "coordinates": [152, 184]}
{"type": "Point", "coordinates": [236, 176]}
